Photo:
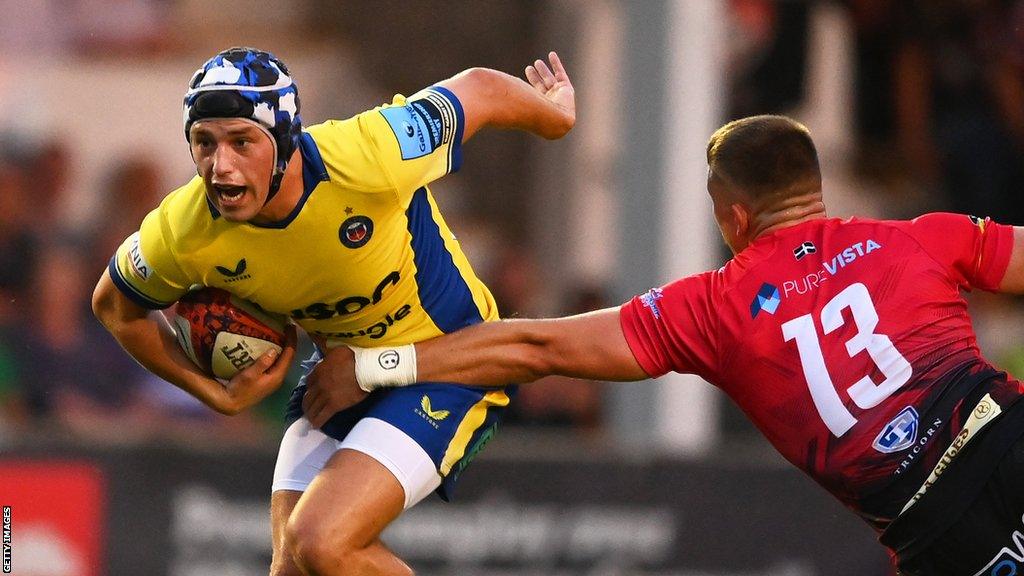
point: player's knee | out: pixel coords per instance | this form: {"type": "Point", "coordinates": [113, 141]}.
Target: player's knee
{"type": "Point", "coordinates": [318, 551]}
{"type": "Point", "coordinates": [282, 565]}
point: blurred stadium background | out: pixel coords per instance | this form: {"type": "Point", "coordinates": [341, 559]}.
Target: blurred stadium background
{"type": "Point", "coordinates": [916, 106]}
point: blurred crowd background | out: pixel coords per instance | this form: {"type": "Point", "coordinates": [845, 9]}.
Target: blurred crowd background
{"type": "Point", "coordinates": [933, 111]}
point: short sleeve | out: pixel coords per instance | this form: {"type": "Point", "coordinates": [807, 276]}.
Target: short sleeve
{"type": "Point", "coordinates": [144, 268]}
{"type": "Point", "coordinates": [418, 140]}
{"type": "Point", "coordinates": [976, 251]}
{"type": "Point", "coordinates": [671, 329]}
{"type": "Point", "coordinates": [399, 147]}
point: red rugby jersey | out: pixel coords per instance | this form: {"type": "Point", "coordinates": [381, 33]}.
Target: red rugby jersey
{"type": "Point", "coordinates": [846, 342]}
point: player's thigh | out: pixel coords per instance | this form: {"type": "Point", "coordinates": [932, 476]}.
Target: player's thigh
{"type": "Point", "coordinates": [305, 452]}
{"type": "Point", "coordinates": [282, 502]}
{"type": "Point", "coordinates": [350, 502]}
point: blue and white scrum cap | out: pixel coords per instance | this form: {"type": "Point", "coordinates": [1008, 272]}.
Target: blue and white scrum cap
{"type": "Point", "coordinates": [253, 85]}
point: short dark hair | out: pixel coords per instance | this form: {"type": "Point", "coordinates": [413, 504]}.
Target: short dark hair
{"type": "Point", "coordinates": [765, 156]}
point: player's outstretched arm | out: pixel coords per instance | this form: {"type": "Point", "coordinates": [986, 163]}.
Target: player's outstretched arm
{"type": "Point", "coordinates": [149, 338]}
{"type": "Point", "coordinates": [489, 354]}
{"type": "Point", "coordinates": [587, 345]}
{"type": "Point", "coordinates": [546, 106]}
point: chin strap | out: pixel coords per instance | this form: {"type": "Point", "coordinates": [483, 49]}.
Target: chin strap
{"type": "Point", "coordinates": [278, 177]}
{"type": "Point", "coordinates": [275, 186]}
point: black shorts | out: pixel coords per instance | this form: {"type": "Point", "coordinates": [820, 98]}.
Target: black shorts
{"type": "Point", "coordinates": [981, 511]}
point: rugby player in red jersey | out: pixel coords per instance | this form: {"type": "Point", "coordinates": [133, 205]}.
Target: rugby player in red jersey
{"type": "Point", "coordinates": [847, 342]}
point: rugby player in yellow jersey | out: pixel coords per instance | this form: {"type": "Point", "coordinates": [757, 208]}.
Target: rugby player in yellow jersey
{"type": "Point", "coordinates": [334, 226]}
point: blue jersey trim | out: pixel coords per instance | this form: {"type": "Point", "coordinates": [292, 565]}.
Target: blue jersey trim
{"type": "Point", "coordinates": [313, 172]}
{"type": "Point", "coordinates": [443, 292]}
{"type": "Point", "coordinates": [213, 209]}
{"type": "Point", "coordinates": [131, 292]}
{"type": "Point", "coordinates": [460, 115]}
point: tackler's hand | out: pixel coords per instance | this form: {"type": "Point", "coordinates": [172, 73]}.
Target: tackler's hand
{"type": "Point", "coordinates": [331, 386]}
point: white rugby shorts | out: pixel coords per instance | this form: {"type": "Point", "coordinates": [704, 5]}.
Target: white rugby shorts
{"type": "Point", "coordinates": [305, 451]}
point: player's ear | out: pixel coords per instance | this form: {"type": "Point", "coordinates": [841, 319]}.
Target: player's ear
{"type": "Point", "coordinates": [740, 219]}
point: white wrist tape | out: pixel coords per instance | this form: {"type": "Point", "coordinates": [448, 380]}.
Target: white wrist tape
{"type": "Point", "coordinates": [385, 367]}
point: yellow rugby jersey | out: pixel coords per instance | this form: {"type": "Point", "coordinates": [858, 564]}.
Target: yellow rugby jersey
{"type": "Point", "coordinates": [365, 258]}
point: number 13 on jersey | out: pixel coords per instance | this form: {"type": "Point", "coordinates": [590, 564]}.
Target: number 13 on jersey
{"type": "Point", "coordinates": [864, 392]}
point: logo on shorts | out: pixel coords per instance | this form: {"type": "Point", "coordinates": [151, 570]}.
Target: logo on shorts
{"type": "Point", "coordinates": [474, 450]}
{"type": "Point", "coordinates": [1009, 561]}
{"type": "Point", "coordinates": [767, 299]}
{"type": "Point", "coordinates": [899, 434]}
{"type": "Point", "coordinates": [429, 414]}
{"type": "Point", "coordinates": [432, 414]}
{"type": "Point", "coordinates": [388, 360]}
{"type": "Point", "coordinates": [356, 231]}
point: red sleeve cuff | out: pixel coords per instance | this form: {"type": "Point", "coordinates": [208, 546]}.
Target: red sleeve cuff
{"type": "Point", "coordinates": [636, 336]}
{"type": "Point", "coordinates": [997, 246]}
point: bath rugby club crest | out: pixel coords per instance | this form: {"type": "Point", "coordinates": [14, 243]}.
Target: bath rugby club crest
{"type": "Point", "coordinates": [355, 231]}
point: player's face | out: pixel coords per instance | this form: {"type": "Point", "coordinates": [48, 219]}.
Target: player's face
{"type": "Point", "coordinates": [235, 158]}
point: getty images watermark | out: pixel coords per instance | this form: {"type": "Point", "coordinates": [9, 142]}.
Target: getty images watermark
{"type": "Point", "coordinates": [7, 540]}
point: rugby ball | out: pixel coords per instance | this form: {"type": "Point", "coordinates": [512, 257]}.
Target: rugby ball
{"type": "Point", "coordinates": [224, 334]}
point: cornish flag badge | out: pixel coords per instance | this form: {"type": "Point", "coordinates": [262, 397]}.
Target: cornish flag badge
{"type": "Point", "coordinates": [804, 249]}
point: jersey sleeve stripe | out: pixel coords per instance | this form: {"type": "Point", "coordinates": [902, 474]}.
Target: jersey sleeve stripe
{"type": "Point", "coordinates": [454, 118]}
{"type": "Point", "coordinates": [448, 120]}
{"type": "Point", "coordinates": [132, 292]}
{"type": "Point", "coordinates": [443, 292]}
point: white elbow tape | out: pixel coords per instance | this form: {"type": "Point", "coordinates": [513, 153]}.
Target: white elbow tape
{"type": "Point", "coordinates": [385, 367]}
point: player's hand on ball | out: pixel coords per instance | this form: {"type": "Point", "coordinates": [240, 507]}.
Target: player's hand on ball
{"type": "Point", "coordinates": [553, 83]}
{"type": "Point", "coordinates": [263, 377]}
{"type": "Point", "coordinates": [331, 386]}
